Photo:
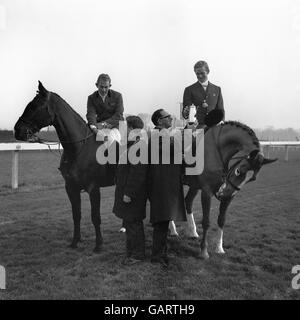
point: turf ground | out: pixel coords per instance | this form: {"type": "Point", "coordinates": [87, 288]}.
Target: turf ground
{"type": "Point", "coordinates": [261, 240]}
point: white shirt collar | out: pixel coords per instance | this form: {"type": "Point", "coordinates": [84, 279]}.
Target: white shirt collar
{"type": "Point", "coordinates": [204, 84]}
{"type": "Point", "coordinates": [103, 97]}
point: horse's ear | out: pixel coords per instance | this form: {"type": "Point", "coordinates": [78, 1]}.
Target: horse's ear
{"type": "Point", "coordinates": [257, 158]}
{"type": "Point", "coordinates": [42, 89]}
{"type": "Point", "coordinates": [267, 161]}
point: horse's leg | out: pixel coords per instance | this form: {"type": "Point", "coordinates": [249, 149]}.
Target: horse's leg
{"type": "Point", "coordinates": [172, 228]}
{"type": "Point", "coordinates": [191, 226]}
{"type": "Point", "coordinates": [96, 218]}
{"type": "Point", "coordinates": [221, 221]}
{"type": "Point", "coordinates": [74, 195]}
{"type": "Point", "coordinates": [206, 202]}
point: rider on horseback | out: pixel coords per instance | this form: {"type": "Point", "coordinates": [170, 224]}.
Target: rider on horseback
{"type": "Point", "coordinates": [105, 109]}
{"type": "Point", "coordinates": [202, 94]}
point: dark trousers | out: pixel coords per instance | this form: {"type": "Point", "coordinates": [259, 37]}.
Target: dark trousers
{"type": "Point", "coordinates": [159, 245]}
{"type": "Point", "coordinates": [135, 239]}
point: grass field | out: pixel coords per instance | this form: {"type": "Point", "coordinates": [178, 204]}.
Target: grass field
{"type": "Point", "coordinates": [261, 240]}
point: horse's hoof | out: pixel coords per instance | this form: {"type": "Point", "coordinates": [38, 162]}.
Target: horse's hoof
{"type": "Point", "coordinates": [174, 235]}
{"type": "Point", "coordinates": [192, 234]}
{"type": "Point", "coordinates": [97, 249]}
{"type": "Point", "coordinates": [220, 250]}
{"type": "Point", "coordinates": [73, 245]}
{"type": "Point", "coordinates": [203, 255]}
{"type": "Point", "coordinates": [193, 238]}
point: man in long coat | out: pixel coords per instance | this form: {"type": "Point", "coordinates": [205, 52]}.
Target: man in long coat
{"type": "Point", "coordinates": [130, 199]}
{"type": "Point", "coordinates": [165, 190]}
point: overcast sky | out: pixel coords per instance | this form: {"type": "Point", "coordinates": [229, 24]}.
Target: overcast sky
{"type": "Point", "coordinates": [149, 47]}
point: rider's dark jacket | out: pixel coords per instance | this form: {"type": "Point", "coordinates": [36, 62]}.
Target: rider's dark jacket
{"type": "Point", "coordinates": [110, 111]}
{"type": "Point", "coordinates": [195, 94]}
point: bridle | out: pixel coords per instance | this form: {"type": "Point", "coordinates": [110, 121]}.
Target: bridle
{"type": "Point", "coordinates": [227, 172]}
{"type": "Point", "coordinates": [35, 128]}
{"type": "Point", "coordinates": [231, 169]}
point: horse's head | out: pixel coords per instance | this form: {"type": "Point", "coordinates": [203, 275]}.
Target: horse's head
{"type": "Point", "coordinates": [242, 172]}
{"type": "Point", "coordinates": [36, 115]}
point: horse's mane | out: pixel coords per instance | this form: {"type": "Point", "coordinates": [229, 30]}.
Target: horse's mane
{"type": "Point", "coordinates": [71, 109]}
{"type": "Point", "coordinates": [246, 128]}
{"type": "Point", "coordinates": [39, 97]}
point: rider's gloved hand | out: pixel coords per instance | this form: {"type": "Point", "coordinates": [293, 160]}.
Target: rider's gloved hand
{"type": "Point", "coordinates": [126, 199]}
{"type": "Point", "coordinates": [94, 128]}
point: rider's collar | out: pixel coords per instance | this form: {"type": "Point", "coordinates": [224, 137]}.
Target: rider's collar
{"type": "Point", "coordinates": [204, 84]}
{"type": "Point", "coordinates": [102, 97]}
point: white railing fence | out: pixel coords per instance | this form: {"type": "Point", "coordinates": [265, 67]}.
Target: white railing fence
{"type": "Point", "coordinates": [267, 145]}
{"type": "Point", "coordinates": [17, 147]}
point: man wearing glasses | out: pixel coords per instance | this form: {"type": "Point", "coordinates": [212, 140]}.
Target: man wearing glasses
{"type": "Point", "coordinates": [204, 95]}
{"type": "Point", "coordinates": [105, 108]}
{"type": "Point", "coordinates": [164, 186]}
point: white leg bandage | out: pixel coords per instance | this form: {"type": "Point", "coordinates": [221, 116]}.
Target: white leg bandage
{"type": "Point", "coordinates": [219, 247]}
{"type": "Point", "coordinates": [192, 230]}
{"type": "Point", "coordinates": [172, 228]}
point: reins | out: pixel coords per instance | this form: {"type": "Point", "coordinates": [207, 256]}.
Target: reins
{"type": "Point", "coordinates": [40, 140]}
{"type": "Point", "coordinates": [53, 143]}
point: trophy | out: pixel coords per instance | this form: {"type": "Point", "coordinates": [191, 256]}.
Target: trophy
{"type": "Point", "coordinates": [192, 114]}
{"type": "Point", "coordinates": [189, 114]}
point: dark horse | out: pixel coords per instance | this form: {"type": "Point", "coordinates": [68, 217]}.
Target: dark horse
{"type": "Point", "coordinates": [232, 158]}
{"type": "Point", "coordinates": [78, 165]}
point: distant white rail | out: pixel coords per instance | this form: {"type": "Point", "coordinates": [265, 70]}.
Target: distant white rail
{"type": "Point", "coordinates": [280, 143]}
{"type": "Point", "coordinates": [16, 147]}
{"type": "Point", "coordinates": [286, 144]}
{"type": "Point", "coordinates": [26, 146]}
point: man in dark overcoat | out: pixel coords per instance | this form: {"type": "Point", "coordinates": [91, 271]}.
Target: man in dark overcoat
{"type": "Point", "coordinates": [165, 190]}
{"type": "Point", "coordinates": [130, 199]}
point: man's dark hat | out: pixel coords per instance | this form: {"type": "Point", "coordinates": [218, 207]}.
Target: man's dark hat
{"type": "Point", "coordinates": [214, 117]}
